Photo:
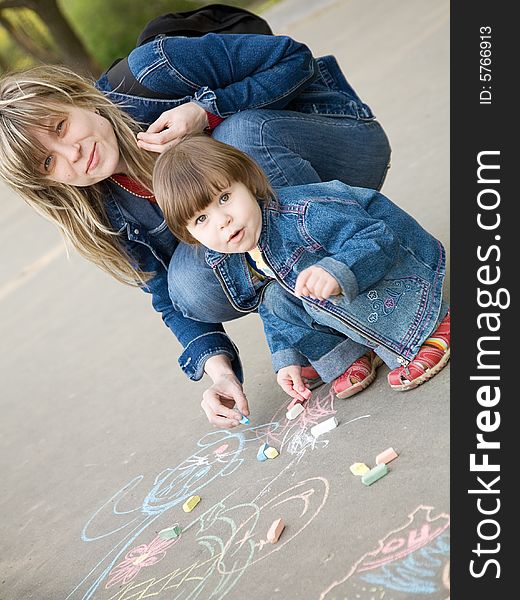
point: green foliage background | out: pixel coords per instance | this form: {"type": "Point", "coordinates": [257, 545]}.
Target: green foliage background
{"type": "Point", "coordinates": [109, 28]}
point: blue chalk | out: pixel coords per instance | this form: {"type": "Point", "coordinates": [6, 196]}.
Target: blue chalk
{"type": "Point", "coordinates": [260, 454]}
{"type": "Point", "coordinates": [244, 420]}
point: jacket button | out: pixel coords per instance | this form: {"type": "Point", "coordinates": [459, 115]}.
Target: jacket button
{"type": "Point", "coordinates": [136, 231]}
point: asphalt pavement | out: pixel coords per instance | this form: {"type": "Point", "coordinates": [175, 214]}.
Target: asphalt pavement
{"type": "Point", "coordinates": [103, 438]}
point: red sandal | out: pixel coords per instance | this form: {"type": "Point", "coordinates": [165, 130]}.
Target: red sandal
{"type": "Point", "coordinates": [431, 358]}
{"type": "Point", "coordinates": [358, 376]}
{"type": "Point", "coordinates": [311, 377]}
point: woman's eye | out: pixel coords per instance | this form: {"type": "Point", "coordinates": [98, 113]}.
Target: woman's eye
{"type": "Point", "coordinates": [47, 163]}
{"type": "Point", "coordinates": [200, 219]}
{"type": "Point", "coordinates": [224, 198]}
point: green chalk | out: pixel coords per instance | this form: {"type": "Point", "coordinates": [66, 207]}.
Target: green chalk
{"type": "Point", "coordinates": [374, 474]}
{"type": "Point", "coordinates": [170, 532]}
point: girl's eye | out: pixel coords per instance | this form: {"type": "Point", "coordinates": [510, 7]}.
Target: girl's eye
{"type": "Point", "coordinates": [224, 198]}
{"type": "Point", "coordinates": [200, 219]}
{"type": "Point", "coordinates": [47, 163]}
{"type": "Point", "coordinates": [60, 126]}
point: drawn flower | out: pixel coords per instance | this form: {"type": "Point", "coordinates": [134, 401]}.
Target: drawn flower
{"type": "Point", "coordinates": [372, 317]}
{"type": "Point", "coordinates": [389, 302]}
{"type": "Point", "coordinates": [139, 557]}
{"type": "Point", "coordinates": [372, 295]}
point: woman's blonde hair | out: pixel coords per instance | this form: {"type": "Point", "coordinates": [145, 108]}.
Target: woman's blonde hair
{"type": "Point", "coordinates": [41, 95]}
{"type": "Point", "coordinates": [188, 176]}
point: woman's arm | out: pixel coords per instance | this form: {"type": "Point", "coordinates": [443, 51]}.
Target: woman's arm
{"type": "Point", "coordinates": [207, 348]}
{"type": "Point", "coordinates": [225, 393]}
{"type": "Point", "coordinates": [226, 73]}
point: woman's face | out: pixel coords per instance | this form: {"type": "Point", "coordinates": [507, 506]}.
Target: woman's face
{"type": "Point", "coordinates": [82, 148]}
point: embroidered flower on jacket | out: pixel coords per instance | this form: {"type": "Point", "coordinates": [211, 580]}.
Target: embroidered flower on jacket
{"type": "Point", "coordinates": [372, 295]}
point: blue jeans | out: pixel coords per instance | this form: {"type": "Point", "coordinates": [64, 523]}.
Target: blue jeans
{"type": "Point", "coordinates": [293, 148]}
{"type": "Point", "coordinates": [292, 333]}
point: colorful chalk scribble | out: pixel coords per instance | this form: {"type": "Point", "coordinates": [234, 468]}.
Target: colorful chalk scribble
{"type": "Point", "coordinates": [138, 558]}
{"type": "Point", "coordinates": [411, 561]}
{"type": "Point", "coordinates": [226, 537]}
{"type": "Point", "coordinates": [230, 534]}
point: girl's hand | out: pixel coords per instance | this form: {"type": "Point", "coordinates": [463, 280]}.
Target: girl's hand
{"type": "Point", "coordinates": [290, 380]}
{"type": "Point", "coordinates": [172, 126]}
{"type": "Point", "coordinates": [316, 283]}
{"type": "Point", "coordinates": [218, 402]}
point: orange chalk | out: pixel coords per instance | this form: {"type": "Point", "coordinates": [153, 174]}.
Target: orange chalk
{"type": "Point", "coordinates": [275, 531]}
{"type": "Point", "coordinates": [386, 456]}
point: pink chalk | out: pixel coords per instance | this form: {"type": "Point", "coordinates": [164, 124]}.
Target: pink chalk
{"type": "Point", "coordinates": [386, 456]}
{"type": "Point", "coordinates": [294, 402]}
{"type": "Point", "coordinates": [300, 399]}
{"type": "Point", "coordinates": [307, 394]}
{"type": "Point", "coordinates": [275, 531]}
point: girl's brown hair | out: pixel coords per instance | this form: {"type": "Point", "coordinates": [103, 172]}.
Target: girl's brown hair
{"type": "Point", "coordinates": [189, 175]}
{"type": "Point", "coordinates": [43, 94]}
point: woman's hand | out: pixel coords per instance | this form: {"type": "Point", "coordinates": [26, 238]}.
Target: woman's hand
{"type": "Point", "coordinates": [316, 283]}
{"type": "Point", "coordinates": [172, 126]}
{"type": "Point", "coordinates": [290, 380]}
{"type": "Point", "coordinates": [225, 393]}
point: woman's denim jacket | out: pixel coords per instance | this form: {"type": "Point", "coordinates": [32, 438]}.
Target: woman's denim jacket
{"type": "Point", "coordinates": [224, 74]}
{"type": "Point", "coordinates": [390, 270]}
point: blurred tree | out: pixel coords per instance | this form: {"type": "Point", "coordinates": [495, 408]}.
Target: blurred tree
{"type": "Point", "coordinates": [23, 29]}
{"type": "Point", "coordinates": [69, 49]}
{"type": "Point", "coordinates": [85, 34]}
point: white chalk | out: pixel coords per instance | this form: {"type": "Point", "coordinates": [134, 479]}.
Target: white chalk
{"type": "Point", "coordinates": [324, 426]}
{"type": "Point", "coordinates": [294, 412]}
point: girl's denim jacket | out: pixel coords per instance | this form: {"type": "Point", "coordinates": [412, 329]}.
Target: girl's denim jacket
{"type": "Point", "coordinates": [224, 74]}
{"type": "Point", "coordinates": [390, 270]}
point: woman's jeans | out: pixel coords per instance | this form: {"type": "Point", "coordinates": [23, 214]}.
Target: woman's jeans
{"type": "Point", "coordinates": [292, 148]}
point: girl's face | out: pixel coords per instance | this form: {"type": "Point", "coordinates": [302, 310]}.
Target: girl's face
{"type": "Point", "coordinates": [82, 148]}
{"type": "Point", "coordinates": [231, 223]}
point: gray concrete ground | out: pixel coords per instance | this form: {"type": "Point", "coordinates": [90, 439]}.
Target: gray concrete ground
{"type": "Point", "coordinates": [102, 437]}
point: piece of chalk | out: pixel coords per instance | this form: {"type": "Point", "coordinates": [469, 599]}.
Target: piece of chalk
{"type": "Point", "coordinates": [294, 412]}
{"type": "Point", "coordinates": [359, 469]}
{"type": "Point", "coordinates": [324, 426]}
{"type": "Point", "coordinates": [244, 420]}
{"type": "Point", "coordinates": [294, 402]}
{"type": "Point", "coordinates": [260, 455]}
{"type": "Point", "coordinates": [307, 394]}
{"type": "Point", "coordinates": [170, 532]}
{"type": "Point", "coordinates": [374, 474]}
{"type": "Point", "coordinates": [275, 531]}
{"type": "Point", "coordinates": [271, 452]}
{"type": "Point", "coordinates": [386, 456]}
{"type": "Point", "coordinates": [190, 503]}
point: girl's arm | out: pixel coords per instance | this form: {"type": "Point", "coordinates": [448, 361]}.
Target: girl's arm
{"type": "Point", "coordinates": [362, 248]}
{"type": "Point", "coordinates": [200, 340]}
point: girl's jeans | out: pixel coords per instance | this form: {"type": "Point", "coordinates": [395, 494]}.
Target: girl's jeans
{"type": "Point", "coordinates": [292, 148]}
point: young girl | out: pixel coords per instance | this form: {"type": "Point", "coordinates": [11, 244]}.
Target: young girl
{"type": "Point", "coordinates": [342, 257]}
{"type": "Point", "coordinates": [80, 155]}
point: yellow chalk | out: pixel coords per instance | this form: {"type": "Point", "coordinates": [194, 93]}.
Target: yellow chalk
{"type": "Point", "coordinates": [190, 503]}
{"type": "Point", "coordinates": [271, 452]}
{"type": "Point", "coordinates": [359, 469]}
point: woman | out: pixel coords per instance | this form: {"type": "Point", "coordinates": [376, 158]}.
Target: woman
{"type": "Point", "coordinates": [70, 150]}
